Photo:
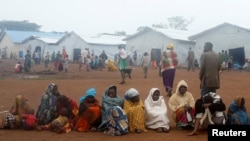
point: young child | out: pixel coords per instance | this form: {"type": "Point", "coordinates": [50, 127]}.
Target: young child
{"type": "Point", "coordinates": [145, 63]}
{"type": "Point", "coordinates": [29, 121]}
{"type": "Point", "coordinates": [118, 123]}
{"type": "Point", "coordinates": [88, 62]}
{"type": "Point", "coordinates": [58, 123]}
{"type": "Point", "coordinates": [18, 67]}
{"type": "Point", "coordinates": [66, 63]}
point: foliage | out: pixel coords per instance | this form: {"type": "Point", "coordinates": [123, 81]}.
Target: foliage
{"type": "Point", "coordinates": [19, 25]}
{"type": "Point", "coordinates": [177, 22]}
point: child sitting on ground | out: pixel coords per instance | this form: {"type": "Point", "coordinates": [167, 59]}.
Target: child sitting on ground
{"type": "Point", "coordinates": [18, 67]}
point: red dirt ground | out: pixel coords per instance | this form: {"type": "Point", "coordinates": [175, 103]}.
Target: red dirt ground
{"type": "Point", "coordinates": [75, 83]}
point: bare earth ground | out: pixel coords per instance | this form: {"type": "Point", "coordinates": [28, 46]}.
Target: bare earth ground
{"type": "Point", "coordinates": [75, 83]}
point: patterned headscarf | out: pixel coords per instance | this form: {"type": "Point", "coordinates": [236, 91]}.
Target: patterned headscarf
{"type": "Point", "coordinates": [131, 93]}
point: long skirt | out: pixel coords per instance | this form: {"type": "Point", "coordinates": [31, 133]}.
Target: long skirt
{"type": "Point", "coordinates": [168, 78]}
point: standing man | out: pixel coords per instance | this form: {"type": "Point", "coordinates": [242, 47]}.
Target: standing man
{"type": "Point", "coordinates": [209, 70]}
{"type": "Point", "coordinates": [190, 59]}
{"type": "Point", "coordinates": [169, 64]}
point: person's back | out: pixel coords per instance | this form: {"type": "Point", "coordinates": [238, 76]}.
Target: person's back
{"type": "Point", "coordinates": [209, 70]}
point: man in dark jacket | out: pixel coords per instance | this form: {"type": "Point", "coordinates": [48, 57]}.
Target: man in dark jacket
{"type": "Point", "coordinates": [209, 70]}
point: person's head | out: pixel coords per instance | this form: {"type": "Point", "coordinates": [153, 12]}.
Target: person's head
{"type": "Point", "coordinates": [64, 112]}
{"type": "Point", "coordinates": [156, 95]}
{"type": "Point", "coordinates": [132, 95]}
{"type": "Point", "coordinates": [208, 46]}
{"type": "Point", "coordinates": [53, 88]}
{"type": "Point", "coordinates": [89, 96]}
{"type": "Point", "coordinates": [62, 100]}
{"type": "Point", "coordinates": [207, 98]}
{"type": "Point", "coordinates": [240, 101]}
{"type": "Point", "coordinates": [56, 126]}
{"type": "Point", "coordinates": [112, 91]}
{"type": "Point", "coordinates": [135, 99]}
{"type": "Point", "coordinates": [182, 89]}
{"type": "Point", "coordinates": [90, 99]}
{"type": "Point", "coordinates": [170, 46]}
{"type": "Point", "coordinates": [145, 53]}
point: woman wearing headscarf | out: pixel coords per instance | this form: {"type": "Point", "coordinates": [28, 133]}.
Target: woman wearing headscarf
{"type": "Point", "coordinates": [110, 98]}
{"type": "Point", "coordinates": [65, 102]}
{"type": "Point", "coordinates": [156, 111]}
{"type": "Point", "coordinates": [134, 108]}
{"type": "Point", "coordinates": [47, 109]}
{"type": "Point", "coordinates": [182, 105]}
{"type": "Point", "coordinates": [169, 63]}
{"type": "Point", "coordinates": [237, 113]}
{"type": "Point", "coordinates": [117, 124]}
{"type": "Point", "coordinates": [13, 118]}
{"type": "Point", "coordinates": [89, 115]}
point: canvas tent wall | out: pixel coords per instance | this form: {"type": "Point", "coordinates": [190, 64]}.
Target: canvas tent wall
{"type": "Point", "coordinates": [150, 38]}
{"type": "Point", "coordinates": [104, 42]}
{"type": "Point", "coordinates": [224, 37]}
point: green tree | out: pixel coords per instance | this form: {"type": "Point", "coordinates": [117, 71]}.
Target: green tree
{"type": "Point", "coordinates": [19, 25]}
{"type": "Point", "coordinates": [177, 22]}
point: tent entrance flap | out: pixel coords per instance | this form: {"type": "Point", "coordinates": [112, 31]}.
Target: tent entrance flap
{"type": "Point", "coordinates": [238, 55]}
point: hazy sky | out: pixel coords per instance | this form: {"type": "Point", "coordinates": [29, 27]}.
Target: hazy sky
{"type": "Point", "coordinates": [88, 17]}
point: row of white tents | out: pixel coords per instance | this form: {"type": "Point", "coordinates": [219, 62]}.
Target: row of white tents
{"type": "Point", "coordinates": [224, 37]}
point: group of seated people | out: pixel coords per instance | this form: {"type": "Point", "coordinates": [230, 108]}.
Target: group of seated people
{"type": "Point", "coordinates": [118, 116]}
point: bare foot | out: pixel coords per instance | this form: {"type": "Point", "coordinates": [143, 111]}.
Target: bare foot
{"type": "Point", "coordinates": [158, 130]}
{"type": "Point", "coordinates": [165, 130]}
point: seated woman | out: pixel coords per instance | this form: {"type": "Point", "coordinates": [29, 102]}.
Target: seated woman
{"type": "Point", "coordinates": [117, 123]}
{"type": "Point", "coordinates": [109, 100]}
{"type": "Point", "coordinates": [237, 113]}
{"type": "Point", "coordinates": [209, 110]}
{"type": "Point", "coordinates": [182, 104]}
{"type": "Point", "coordinates": [89, 116]}
{"type": "Point", "coordinates": [13, 118]}
{"type": "Point", "coordinates": [63, 102]}
{"type": "Point", "coordinates": [156, 111]}
{"type": "Point", "coordinates": [47, 109]}
{"type": "Point", "coordinates": [134, 108]}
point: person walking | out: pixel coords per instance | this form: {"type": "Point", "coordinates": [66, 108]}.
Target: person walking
{"type": "Point", "coordinates": [169, 64]}
{"type": "Point", "coordinates": [190, 59]}
{"type": "Point", "coordinates": [145, 63]}
{"type": "Point", "coordinates": [209, 70]}
{"type": "Point", "coordinates": [122, 63]}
